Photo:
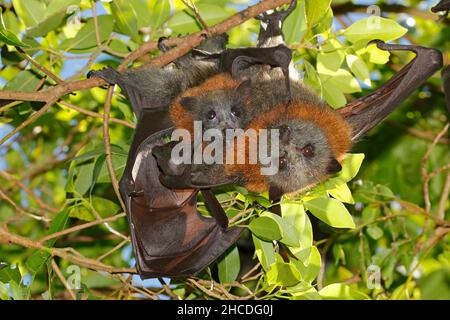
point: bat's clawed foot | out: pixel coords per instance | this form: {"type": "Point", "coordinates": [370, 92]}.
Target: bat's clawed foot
{"type": "Point", "coordinates": [434, 56]}
{"type": "Point", "coordinates": [277, 15]}
{"type": "Point", "coordinates": [442, 6]}
{"type": "Point", "coordinates": [110, 75]}
{"type": "Point", "coordinates": [162, 46]}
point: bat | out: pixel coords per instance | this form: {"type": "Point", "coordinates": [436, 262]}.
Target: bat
{"type": "Point", "coordinates": [317, 153]}
{"type": "Point", "coordinates": [169, 236]}
{"type": "Point", "coordinates": [442, 6]}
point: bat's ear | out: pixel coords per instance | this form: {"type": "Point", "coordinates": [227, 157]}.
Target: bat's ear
{"type": "Point", "coordinates": [334, 166]}
{"type": "Point", "coordinates": [188, 103]}
{"type": "Point", "coordinates": [244, 89]}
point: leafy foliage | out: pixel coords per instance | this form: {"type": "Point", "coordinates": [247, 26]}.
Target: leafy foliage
{"type": "Point", "coordinates": [382, 236]}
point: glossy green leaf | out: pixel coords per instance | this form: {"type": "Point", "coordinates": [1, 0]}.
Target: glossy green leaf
{"type": "Point", "coordinates": [330, 211]}
{"type": "Point", "coordinates": [8, 274]}
{"type": "Point", "coordinates": [359, 68]}
{"type": "Point", "coordinates": [374, 231]}
{"type": "Point", "coordinates": [264, 251]}
{"type": "Point", "coordinates": [159, 12]}
{"type": "Point", "coordinates": [229, 266]}
{"type": "Point", "coordinates": [334, 96]}
{"type": "Point", "coordinates": [341, 79]}
{"type": "Point", "coordinates": [126, 17]}
{"type": "Point", "coordinates": [369, 29]}
{"type": "Point", "coordinates": [31, 12]}
{"type": "Point", "coordinates": [350, 167]}
{"type": "Point", "coordinates": [266, 228]}
{"type": "Point", "coordinates": [342, 193]}
{"type": "Point", "coordinates": [35, 262]}
{"type": "Point", "coordinates": [56, 11]}
{"type": "Point", "coordinates": [310, 267]}
{"type": "Point", "coordinates": [86, 37]}
{"type": "Point", "coordinates": [329, 63]}
{"type": "Point", "coordinates": [283, 274]}
{"type": "Point", "coordinates": [295, 25]}
{"type": "Point", "coordinates": [341, 291]}
{"type": "Point", "coordinates": [7, 36]}
{"type": "Point", "coordinates": [184, 22]}
{"type": "Point", "coordinates": [316, 10]}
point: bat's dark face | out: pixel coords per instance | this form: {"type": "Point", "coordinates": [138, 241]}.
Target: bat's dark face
{"type": "Point", "coordinates": [219, 109]}
{"type": "Point", "coordinates": [305, 156]}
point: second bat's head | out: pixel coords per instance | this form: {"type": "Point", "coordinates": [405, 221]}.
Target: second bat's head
{"type": "Point", "coordinates": [312, 142]}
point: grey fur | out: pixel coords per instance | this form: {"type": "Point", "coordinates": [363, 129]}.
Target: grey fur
{"type": "Point", "coordinates": [227, 105]}
{"type": "Point", "coordinates": [301, 171]}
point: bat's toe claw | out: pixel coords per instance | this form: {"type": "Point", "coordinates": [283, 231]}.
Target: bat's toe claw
{"type": "Point", "coordinates": [90, 74]}
{"type": "Point", "coordinates": [161, 46]}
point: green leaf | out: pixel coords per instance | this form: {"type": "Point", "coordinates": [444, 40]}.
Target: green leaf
{"type": "Point", "coordinates": [184, 21]}
{"type": "Point", "coordinates": [84, 178]}
{"type": "Point", "coordinates": [310, 267]}
{"type": "Point", "coordinates": [4, 294]}
{"type": "Point", "coordinates": [315, 11]}
{"type": "Point", "coordinates": [377, 55]}
{"type": "Point", "coordinates": [383, 29]}
{"type": "Point", "coordinates": [264, 251]}
{"type": "Point", "coordinates": [7, 36]}
{"type": "Point", "coordinates": [31, 12]}
{"type": "Point", "coordinates": [56, 11]}
{"type": "Point", "coordinates": [86, 38]}
{"type": "Point", "coordinates": [370, 213]}
{"type": "Point", "coordinates": [266, 228]}
{"type": "Point", "coordinates": [35, 262]}
{"type": "Point", "coordinates": [341, 79]}
{"type": "Point", "coordinates": [334, 96]}
{"type": "Point", "coordinates": [283, 274]}
{"type": "Point", "coordinates": [339, 291]}
{"type": "Point", "coordinates": [350, 167]}
{"type": "Point", "coordinates": [331, 211]}
{"type": "Point", "coordinates": [325, 23]}
{"type": "Point", "coordinates": [8, 274]}
{"type": "Point", "coordinates": [159, 12]}
{"type": "Point", "coordinates": [329, 63]}
{"type": "Point", "coordinates": [342, 193]}
{"type": "Point", "coordinates": [229, 266]}
{"type": "Point", "coordinates": [104, 206]}
{"type": "Point", "coordinates": [126, 17]}
{"type": "Point", "coordinates": [295, 25]}
{"type": "Point", "coordinates": [359, 68]}
{"type": "Point", "coordinates": [99, 162]}
{"type": "Point", "coordinates": [312, 77]}
{"type": "Point", "coordinates": [26, 81]}
{"type": "Point", "coordinates": [374, 232]}
{"type": "Point", "coordinates": [17, 292]}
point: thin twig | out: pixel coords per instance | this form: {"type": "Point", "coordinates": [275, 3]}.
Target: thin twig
{"type": "Point", "coordinates": [107, 143]}
{"type": "Point", "coordinates": [96, 114]}
{"type": "Point", "coordinates": [444, 198]}
{"type": "Point", "coordinates": [63, 280]}
{"type": "Point", "coordinates": [81, 227]}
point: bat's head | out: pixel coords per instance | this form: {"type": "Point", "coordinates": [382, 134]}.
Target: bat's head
{"type": "Point", "coordinates": [219, 109]}
{"type": "Point", "coordinates": [312, 140]}
{"type": "Point", "coordinates": [305, 155]}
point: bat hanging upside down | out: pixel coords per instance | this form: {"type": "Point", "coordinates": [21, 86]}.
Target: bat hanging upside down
{"type": "Point", "coordinates": [247, 88]}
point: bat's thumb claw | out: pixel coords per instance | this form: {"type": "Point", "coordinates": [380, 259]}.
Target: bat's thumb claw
{"type": "Point", "coordinates": [378, 42]}
{"type": "Point", "coordinates": [90, 74]}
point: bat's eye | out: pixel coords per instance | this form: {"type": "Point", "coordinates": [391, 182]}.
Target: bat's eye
{"type": "Point", "coordinates": [211, 115]}
{"type": "Point", "coordinates": [282, 162]}
{"type": "Point", "coordinates": [308, 150]}
{"type": "Point", "coordinates": [235, 112]}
